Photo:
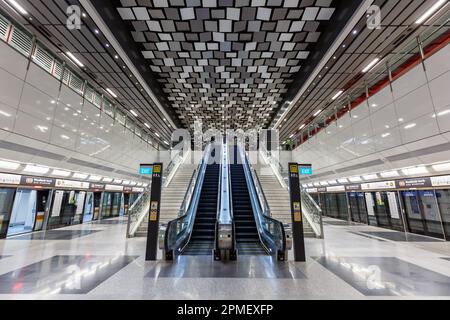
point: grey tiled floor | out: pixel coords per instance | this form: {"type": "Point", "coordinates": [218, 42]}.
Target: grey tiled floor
{"type": "Point", "coordinates": [103, 264]}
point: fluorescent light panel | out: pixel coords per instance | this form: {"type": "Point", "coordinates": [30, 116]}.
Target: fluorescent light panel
{"type": "Point", "coordinates": [36, 169]}
{"type": "Point", "coordinates": [371, 65]}
{"type": "Point", "coordinates": [75, 59]}
{"type": "Point", "coordinates": [355, 179]}
{"type": "Point", "coordinates": [95, 178]}
{"type": "Point", "coordinates": [390, 174]}
{"type": "Point", "coordinates": [317, 113]}
{"type": "Point", "coordinates": [414, 171]}
{"type": "Point", "coordinates": [80, 176]}
{"type": "Point", "coordinates": [431, 11]}
{"type": "Point", "coordinates": [9, 165]}
{"type": "Point", "coordinates": [441, 167]}
{"type": "Point", "coordinates": [337, 95]}
{"type": "Point", "coordinates": [134, 113]}
{"type": "Point", "coordinates": [17, 6]}
{"type": "Point", "coordinates": [61, 173]}
{"type": "Point", "coordinates": [111, 92]}
{"type": "Point", "coordinates": [370, 177]}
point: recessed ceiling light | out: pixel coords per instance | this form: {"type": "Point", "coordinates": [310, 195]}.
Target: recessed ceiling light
{"type": "Point", "coordinates": [414, 171]}
{"type": "Point", "coordinates": [390, 174]}
{"type": "Point", "coordinates": [84, 15]}
{"type": "Point", "coordinates": [133, 113]}
{"type": "Point", "coordinates": [317, 113]}
{"type": "Point", "coordinates": [75, 59]}
{"type": "Point", "coordinates": [147, 125]}
{"type": "Point", "coordinates": [430, 11]}
{"type": "Point", "coordinates": [17, 6]}
{"type": "Point", "coordinates": [355, 32]}
{"type": "Point", "coordinates": [410, 126]}
{"type": "Point", "coordinates": [441, 167]}
{"type": "Point", "coordinates": [96, 31]}
{"type": "Point", "coordinates": [301, 127]}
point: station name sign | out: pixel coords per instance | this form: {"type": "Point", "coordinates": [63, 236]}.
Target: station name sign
{"type": "Point", "coordinates": [413, 183]}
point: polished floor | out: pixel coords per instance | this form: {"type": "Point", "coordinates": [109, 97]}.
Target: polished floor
{"type": "Point", "coordinates": [96, 261]}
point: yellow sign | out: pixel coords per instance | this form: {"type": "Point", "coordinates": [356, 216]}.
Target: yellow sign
{"type": "Point", "coordinates": [294, 168]}
{"type": "Point", "coordinates": [154, 211]}
{"type": "Point", "coordinates": [157, 169]}
{"type": "Point", "coordinates": [297, 212]}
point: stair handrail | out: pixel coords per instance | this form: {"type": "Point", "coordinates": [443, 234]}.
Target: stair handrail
{"type": "Point", "coordinates": [179, 231]}
{"type": "Point", "coordinates": [271, 232]}
{"type": "Point", "coordinates": [188, 194]}
{"type": "Point", "coordinates": [137, 213]}
{"type": "Point", "coordinates": [311, 210]}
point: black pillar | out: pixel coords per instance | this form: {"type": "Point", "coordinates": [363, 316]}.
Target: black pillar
{"type": "Point", "coordinates": [153, 219]}
{"type": "Point", "coordinates": [298, 238]}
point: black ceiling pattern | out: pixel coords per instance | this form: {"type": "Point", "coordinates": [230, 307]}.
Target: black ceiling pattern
{"type": "Point", "coordinates": [226, 62]}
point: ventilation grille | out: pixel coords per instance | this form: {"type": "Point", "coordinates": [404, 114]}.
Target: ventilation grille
{"type": "Point", "coordinates": [57, 70]}
{"type": "Point", "coordinates": [43, 59]}
{"type": "Point", "coordinates": [76, 83]}
{"type": "Point", "coordinates": [4, 28]}
{"type": "Point", "coordinates": [120, 118]}
{"type": "Point", "coordinates": [97, 100]}
{"type": "Point", "coordinates": [89, 94]}
{"type": "Point", "coordinates": [66, 77]}
{"type": "Point", "coordinates": [20, 41]}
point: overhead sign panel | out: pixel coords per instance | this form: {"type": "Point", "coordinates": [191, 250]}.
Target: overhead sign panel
{"type": "Point", "coordinates": [146, 169]}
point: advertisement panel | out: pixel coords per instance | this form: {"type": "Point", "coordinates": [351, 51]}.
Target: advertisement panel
{"type": "Point", "coordinates": [9, 179]}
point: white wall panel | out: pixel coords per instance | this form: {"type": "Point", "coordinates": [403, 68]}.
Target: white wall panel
{"type": "Point", "coordinates": [37, 104]}
{"type": "Point", "coordinates": [7, 117]}
{"type": "Point", "coordinates": [12, 62]}
{"type": "Point", "coordinates": [440, 91]}
{"type": "Point", "coordinates": [438, 63]}
{"type": "Point", "coordinates": [31, 126]}
{"type": "Point", "coordinates": [379, 130]}
{"type": "Point", "coordinates": [42, 80]}
{"type": "Point", "coordinates": [416, 78]}
{"type": "Point", "coordinates": [10, 89]}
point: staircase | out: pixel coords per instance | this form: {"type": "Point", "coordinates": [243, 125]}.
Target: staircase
{"type": "Point", "coordinates": [171, 198]}
{"type": "Point", "coordinates": [247, 236]}
{"type": "Point", "coordinates": [278, 198]}
{"type": "Point", "coordinates": [204, 230]}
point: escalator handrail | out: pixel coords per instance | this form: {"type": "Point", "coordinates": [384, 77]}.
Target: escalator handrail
{"type": "Point", "coordinates": [192, 209]}
{"type": "Point", "coordinates": [230, 189]}
{"type": "Point", "coordinates": [266, 210]}
{"type": "Point", "coordinates": [264, 235]}
{"type": "Point", "coordinates": [219, 193]}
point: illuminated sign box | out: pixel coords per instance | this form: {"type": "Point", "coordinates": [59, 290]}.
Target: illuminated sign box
{"type": "Point", "coordinates": [146, 169]}
{"type": "Point", "coordinates": [305, 169]}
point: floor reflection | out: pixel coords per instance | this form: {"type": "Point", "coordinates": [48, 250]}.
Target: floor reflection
{"type": "Point", "coordinates": [258, 267]}
{"type": "Point", "coordinates": [387, 276]}
{"type": "Point", "coordinates": [63, 275]}
{"type": "Point", "coordinates": [55, 235]}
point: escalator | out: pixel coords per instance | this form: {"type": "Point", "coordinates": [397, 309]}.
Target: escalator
{"type": "Point", "coordinates": [194, 233]}
{"type": "Point", "coordinates": [203, 233]}
{"type": "Point", "coordinates": [247, 236]}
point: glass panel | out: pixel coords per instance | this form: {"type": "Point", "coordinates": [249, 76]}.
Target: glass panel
{"type": "Point", "coordinates": [362, 207]}
{"type": "Point", "coordinates": [412, 210]}
{"type": "Point", "coordinates": [107, 202]}
{"type": "Point", "coordinates": [443, 198]}
{"type": "Point", "coordinates": [430, 211]}
{"type": "Point", "coordinates": [382, 210]}
{"type": "Point", "coordinates": [23, 213]}
{"type": "Point", "coordinates": [342, 206]}
{"type": "Point", "coordinates": [63, 209]}
{"type": "Point", "coordinates": [6, 203]}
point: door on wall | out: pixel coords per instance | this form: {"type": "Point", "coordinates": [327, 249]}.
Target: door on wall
{"type": "Point", "coordinates": [97, 205]}
{"type": "Point", "coordinates": [88, 214]}
{"type": "Point", "coordinates": [422, 213]}
{"type": "Point", "coordinates": [358, 207]}
{"type": "Point", "coordinates": [80, 198]}
{"type": "Point", "coordinates": [6, 204]}
{"type": "Point", "coordinates": [23, 214]}
{"type": "Point", "coordinates": [370, 205]}
{"type": "Point", "coordinates": [116, 201]}
{"type": "Point", "coordinates": [381, 208]}
{"type": "Point", "coordinates": [107, 204]}
{"type": "Point", "coordinates": [126, 202]}
{"type": "Point", "coordinates": [63, 209]}
{"type": "Point", "coordinates": [443, 199]}
{"type": "Point", "coordinates": [41, 207]}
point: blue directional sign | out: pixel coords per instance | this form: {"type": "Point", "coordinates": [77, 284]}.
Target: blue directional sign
{"type": "Point", "coordinates": [305, 170]}
{"type": "Point", "coordinates": [146, 169]}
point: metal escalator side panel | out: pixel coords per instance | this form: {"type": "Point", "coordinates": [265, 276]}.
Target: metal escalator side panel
{"type": "Point", "coordinates": [179, 231]}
